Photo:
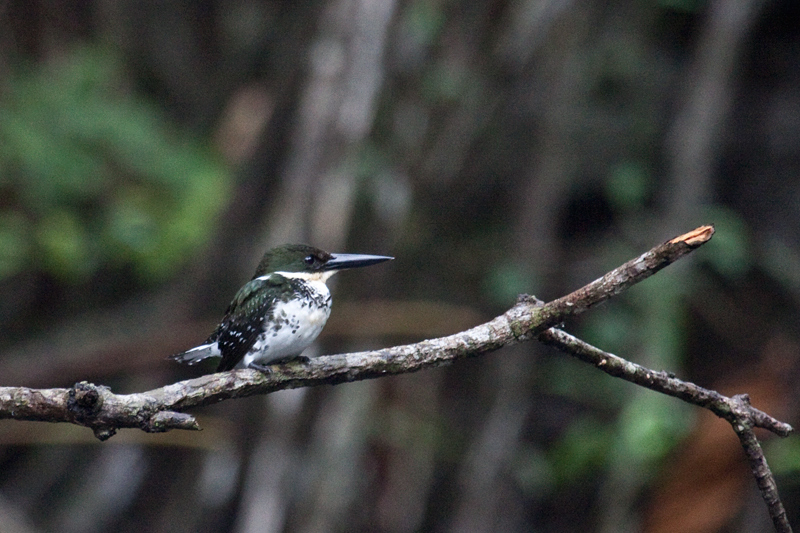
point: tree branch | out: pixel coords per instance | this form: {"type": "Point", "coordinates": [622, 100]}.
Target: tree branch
{"type": "Point", "coordinates": [736, 410]}
{"type": "Point", "coordinates": [162, 409]}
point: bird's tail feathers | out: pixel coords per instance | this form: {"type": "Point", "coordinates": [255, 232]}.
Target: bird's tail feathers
{"type": "Point", "coordinates": [195, 355]}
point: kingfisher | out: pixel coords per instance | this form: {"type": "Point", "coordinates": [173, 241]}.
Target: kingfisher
{"type": "Point", "coordinates": [280, 311]}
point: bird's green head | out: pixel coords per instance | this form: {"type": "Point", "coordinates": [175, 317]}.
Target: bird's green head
{"type": "Point", "coordinates": [301, 258]}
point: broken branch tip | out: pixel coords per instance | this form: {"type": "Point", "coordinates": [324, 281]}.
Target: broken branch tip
{"type": "Point", "coordinates": [696, 237]}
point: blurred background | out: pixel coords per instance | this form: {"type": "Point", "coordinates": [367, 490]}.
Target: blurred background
{"type": "Point", "coordinates": [150, 152]}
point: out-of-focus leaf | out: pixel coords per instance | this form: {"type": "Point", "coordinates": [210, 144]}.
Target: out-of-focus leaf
{"type": "Point", "coordinates": [506, 281]}
{"type": "Point", "coordinates": [424, 21]}
{"type": "Point", "coordinates": [583, 449]}
{"type": "Point", "coordinates": [14, 243]}
{"type": "Point", "coordinates": [98, 173]}
{"type": "Point", "coordinates": [651, 426]}
{"type": "Point", "coordinates": [783, 456]}
{"type": "Point", "coordinates": [611, 330]}
{"type": "Point", "coordinates": [730, 251]}
{"type": "Point", "coordinates": [628, 185]}
{"type": "Point", "coordinates": [63, 245]}
{"type": "Point", "coordinates": [132, 225]}
{"type": "Point", "coordinates": [444, 83]}
{"type": "Point", "coordinates": [532, 469]}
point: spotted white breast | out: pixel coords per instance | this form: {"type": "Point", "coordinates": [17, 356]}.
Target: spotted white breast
{"type": "Point", "coordinates": [295, 325]}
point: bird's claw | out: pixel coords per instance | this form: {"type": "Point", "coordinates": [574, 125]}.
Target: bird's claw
{"type": "Point", "coordinates": [266, 369]}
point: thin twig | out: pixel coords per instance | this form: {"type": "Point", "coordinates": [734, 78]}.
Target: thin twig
{"type": "Point", "coordinates": [762, 473]}
{"type": "Point", "coordinates": [161, 409]}
{"type": "Point", "coordinates": [736, 410]}
{"type": "Point", "coordinates": [724, 407]}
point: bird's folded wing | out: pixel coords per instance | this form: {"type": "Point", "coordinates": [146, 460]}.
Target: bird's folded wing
{"type": "Point", "coordinates": [244, 320]}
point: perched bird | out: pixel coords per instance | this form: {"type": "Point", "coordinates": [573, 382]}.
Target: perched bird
{"type": "Point", "coordinates": [278, 313]}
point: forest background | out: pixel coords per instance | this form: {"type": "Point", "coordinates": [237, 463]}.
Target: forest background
{"type": "Point", "coordinates": [150, 153]}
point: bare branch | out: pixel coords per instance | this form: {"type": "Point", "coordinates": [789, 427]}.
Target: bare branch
{"type": "Point", "coordinates": [162, 409]}
{"type": "Point", "coordinates": [736, 410]}
{"type": "Point", "coordinates": [762, 473]}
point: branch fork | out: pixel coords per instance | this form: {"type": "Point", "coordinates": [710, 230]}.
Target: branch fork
{"type": "Point", "coordinates": [163, 409]}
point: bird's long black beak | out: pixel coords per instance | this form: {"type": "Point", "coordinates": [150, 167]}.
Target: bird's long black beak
{"type": "Point", "coordinates": [342, 261]}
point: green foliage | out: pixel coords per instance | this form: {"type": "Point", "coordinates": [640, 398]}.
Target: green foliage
{"type": "Point", "coordinates": [423, 22]}
{"type": "Point", "coordinates": [649, 427]}
{"type": "Point", "coordinates": [90, 175]}
{"type": "Point", "coordinates": [532, 470]}
{"type": "Point", "coordinates": [14, 242]}
{"type": "Point", "coordinates": [583, 449]}
{"type": "Point", "coordinates": [610, 329]}
{"type": "Point", "coordinates": [646, 325]}
{"type": "Point", "coordinates": [783, 456]}
{"type": "Point", "coordinates": [730, 251]}
{"type": "Point", "coordinates": [507, 280]}
{"type": "Point", "coordinates": [628, 185]}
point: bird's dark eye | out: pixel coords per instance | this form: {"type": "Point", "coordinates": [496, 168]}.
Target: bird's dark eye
{"type": "Point", "coordinates": [309, 260]}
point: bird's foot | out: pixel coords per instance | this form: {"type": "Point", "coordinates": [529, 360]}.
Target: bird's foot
{"type": "Point", "coordinates": [302, 359]}
{"type": "Point", "coordinates": [267, 369]}
{"type": "Point", "coordinates": [261, 368]}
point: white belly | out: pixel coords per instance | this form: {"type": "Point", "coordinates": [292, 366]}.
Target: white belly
{"type": "Point", "coordinates": [296, 324]}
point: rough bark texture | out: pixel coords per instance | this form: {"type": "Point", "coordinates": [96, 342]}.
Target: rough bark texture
{"type": "Point", "coordinates": [155, 411]}
{"type": "Point", "coordinates": [162, 409]}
